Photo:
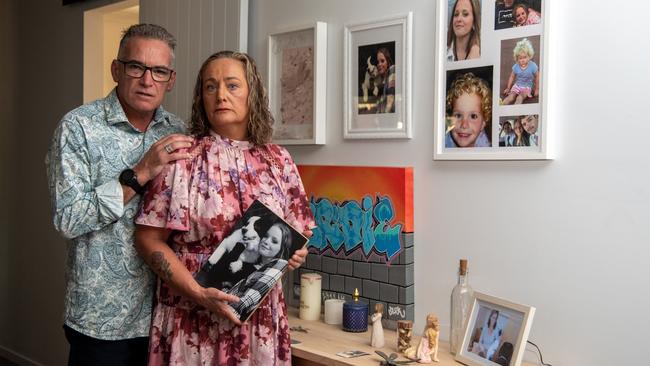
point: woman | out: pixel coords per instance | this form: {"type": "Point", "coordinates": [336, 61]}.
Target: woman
{"type": "Point", "coordinates": [464, 31]}
{"type": "Point", "coordinates": [506, 134]}
{"type": "Point", "coordinates": [238, 253]}
{"type": "Point", "coordinates": [490, 337]}
{"type": "Point", "coordinates": [521, 137]}
{"type": "Point", "coordinates": [386, 73]}
{"type": "Point", "coordinates": [193, 204]}
{"type": "Point", "coordinates": [274, 249]}
{"type": "Point", "coordinates": [524, 16]}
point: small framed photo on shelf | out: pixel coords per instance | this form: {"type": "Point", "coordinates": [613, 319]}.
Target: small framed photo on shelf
{"type": "Point", "coordinates": [496, 332]}
{"type": "Point", "coordinates": [492, 77]}
{"type": "Point", "coordinates": [297, 76]}
{"type": "Point", "coordinates": [377, 79]}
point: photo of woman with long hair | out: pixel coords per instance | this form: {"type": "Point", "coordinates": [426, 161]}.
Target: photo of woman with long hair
{"type": "Point", "coordinates": [464, 31]}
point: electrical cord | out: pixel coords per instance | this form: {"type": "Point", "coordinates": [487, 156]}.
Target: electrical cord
{"type": "Point", "coordinates": [541, 359]}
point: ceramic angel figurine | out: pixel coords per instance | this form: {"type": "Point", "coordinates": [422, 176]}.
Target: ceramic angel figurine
{"type": "Point", "coordinates": [427, 350]}
{"type": "Point", "coordinates": [377, 335]}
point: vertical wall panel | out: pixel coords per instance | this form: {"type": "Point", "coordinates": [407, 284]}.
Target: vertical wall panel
{"type": "Point", "coordinates": [202, 27]}
{"type": "Point", "coordinates": [195, 46]}
{"type": "Point", "coordinates": [183, 34]}
{"type": "Point", "coordinates": [170, 15]}
{"type": "Point", "coordinates": [207, 32]}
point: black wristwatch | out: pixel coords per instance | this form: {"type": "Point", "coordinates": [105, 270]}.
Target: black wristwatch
{"type": "Point", "coordinates": [130, 179]}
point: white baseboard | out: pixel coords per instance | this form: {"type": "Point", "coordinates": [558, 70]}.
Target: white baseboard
{"type": "Point", "coordinates": [17, 358]}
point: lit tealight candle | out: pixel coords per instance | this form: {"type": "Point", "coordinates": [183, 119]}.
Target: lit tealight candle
{"type": "Point", "coordinates": [334, 311]}
{"type": "Point", "coordinates": [310, 286]}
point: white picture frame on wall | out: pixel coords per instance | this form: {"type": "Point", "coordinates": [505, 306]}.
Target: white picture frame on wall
{"type": "Point", "coordinates": [491, 63]}
{"type": "Point", "coordinates": [509, 324]}
{"type": "Point", "coordinates": [297, 76]}
{"type": "Point", "coordinates": [377, 79]}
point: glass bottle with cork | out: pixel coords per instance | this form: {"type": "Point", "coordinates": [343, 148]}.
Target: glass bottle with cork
{"type": "Point", "coordinates": [461, 302]}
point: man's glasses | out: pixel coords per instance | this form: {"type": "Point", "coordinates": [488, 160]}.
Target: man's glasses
{"type": "Point", "coordinates": [136, 70]}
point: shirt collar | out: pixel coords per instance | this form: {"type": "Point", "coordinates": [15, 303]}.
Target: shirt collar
{"type": "Point", "coordinates": [115, 113]}
{"type": "Point", "coordinates": [242, 145]}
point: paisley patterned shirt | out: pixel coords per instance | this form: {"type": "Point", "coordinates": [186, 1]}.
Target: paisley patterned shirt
{"type": "Point", "coordinates": [109, 288]}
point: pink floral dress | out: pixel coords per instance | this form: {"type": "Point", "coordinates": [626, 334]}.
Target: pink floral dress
{"type": "Point", "coordinates": [200, 199]}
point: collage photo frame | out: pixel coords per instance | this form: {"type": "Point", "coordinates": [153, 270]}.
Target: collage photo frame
{"type": "Point", "coordinates": [492, 80]}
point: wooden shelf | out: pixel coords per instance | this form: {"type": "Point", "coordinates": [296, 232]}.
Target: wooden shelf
{"type": "Point", "coordinates": [322, 341]}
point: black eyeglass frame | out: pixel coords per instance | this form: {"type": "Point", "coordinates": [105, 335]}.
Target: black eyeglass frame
{"type": "Point", "coordinates": [146, 68]}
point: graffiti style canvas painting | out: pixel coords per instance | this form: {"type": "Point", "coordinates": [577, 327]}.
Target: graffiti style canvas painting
{"type": "Point", "coordinates": [364, 208]}
{"type": "Point", "coordinates": [364, 234]}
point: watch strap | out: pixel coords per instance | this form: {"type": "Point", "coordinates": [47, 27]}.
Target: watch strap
{"type": "Point", "coordinates": [130, 179]}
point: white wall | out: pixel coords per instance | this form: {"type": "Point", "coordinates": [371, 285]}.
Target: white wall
{"type": "Point", "coordinates": [567, 236]}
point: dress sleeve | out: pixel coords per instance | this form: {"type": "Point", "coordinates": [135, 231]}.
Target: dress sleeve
{"type": "Point", "coordinates": [165, 203]}
{"type": "Point", "coordinates": [296, 209]}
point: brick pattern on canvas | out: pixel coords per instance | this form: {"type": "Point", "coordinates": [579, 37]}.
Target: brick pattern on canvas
{"type": "Point", "coordinates": [391, 284]}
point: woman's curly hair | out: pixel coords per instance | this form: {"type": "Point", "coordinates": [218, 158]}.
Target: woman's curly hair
{"type": "Point", "coordinates": [468, 83]}
{"type": "Point", "coordinates": [259, 128]}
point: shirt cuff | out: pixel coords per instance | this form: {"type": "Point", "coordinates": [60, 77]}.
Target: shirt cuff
{"type": "Point", "coordinates": [110, 199]}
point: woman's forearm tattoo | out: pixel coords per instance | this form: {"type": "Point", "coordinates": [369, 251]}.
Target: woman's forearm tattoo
{"type": "Point", "coordinates": [161, 266]}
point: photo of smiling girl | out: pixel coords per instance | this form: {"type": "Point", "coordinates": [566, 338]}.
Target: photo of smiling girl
{"type": "Point", "coordinates": [464, 30]}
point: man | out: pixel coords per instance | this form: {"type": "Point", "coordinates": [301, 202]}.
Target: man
{"type": "Point", "coordinates": [530, 124]}
{"type": "Point", "coordinates": [101, 156]}
{"type": "Point", "coordinates": [503, 17]}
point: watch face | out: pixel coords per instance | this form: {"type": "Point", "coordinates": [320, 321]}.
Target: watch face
{"type": "Point", "coordinates": [126, 176]}
{"type": "Point", "coordinates": [129, 179]}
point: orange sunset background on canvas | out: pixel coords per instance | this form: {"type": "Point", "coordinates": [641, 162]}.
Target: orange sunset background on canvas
{"type": "Point", "coordinates": [339, 183]}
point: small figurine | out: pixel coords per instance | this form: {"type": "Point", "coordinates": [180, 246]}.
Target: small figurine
{"type": "Point", "coordinates": [377, 335]}
{"type": "Point", "coordinates": [427, 350]}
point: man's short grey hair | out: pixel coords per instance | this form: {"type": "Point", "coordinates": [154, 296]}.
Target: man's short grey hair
{"type": "Point", "coordinates": [149, 31]}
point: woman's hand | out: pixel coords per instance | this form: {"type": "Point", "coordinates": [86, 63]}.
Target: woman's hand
{"type": "Point", "coordinates": [217, 302]}
{"type": "Point", "coordinates": [298, 257]}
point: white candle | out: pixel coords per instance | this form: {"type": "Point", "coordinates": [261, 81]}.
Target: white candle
{"type": "Point", "coordinates": [310, 285]}
{"type": "Point", "coordinates": [334, 311]}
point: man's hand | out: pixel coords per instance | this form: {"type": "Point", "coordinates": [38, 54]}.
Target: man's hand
{"type": "Point", "coordinates": [216, 301]}
{"type": "Point", "coordinates": [161, 153]}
